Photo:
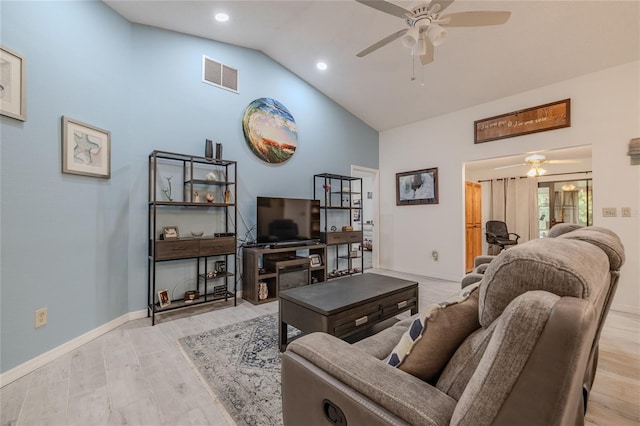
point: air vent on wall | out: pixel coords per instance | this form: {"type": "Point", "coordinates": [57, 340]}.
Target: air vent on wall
{"type": "Point", "coordinates": [219, 74]}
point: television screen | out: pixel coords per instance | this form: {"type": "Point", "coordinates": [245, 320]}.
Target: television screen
{"type": "Point", "coordinates": [287, 220]}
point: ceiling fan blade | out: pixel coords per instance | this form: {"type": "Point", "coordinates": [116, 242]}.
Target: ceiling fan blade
{"type": "Point", "coordinates": [474, 19]}
{"type": "Point", "coordinates": [382, 42]}
{"type": "Point", "coordinates": [440, 4]}
{"type": "Point", "coordinates": [507, 167]}
{"type": "Point", "coordinates": [386, 7]}
{"type": "Point", "coordinates": [427, 58]}
{"type": "Point", "coordinates": [562, 161]}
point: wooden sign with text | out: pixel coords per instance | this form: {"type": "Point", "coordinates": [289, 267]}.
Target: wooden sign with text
{"type": "Point", "coordinates": [537, 119]}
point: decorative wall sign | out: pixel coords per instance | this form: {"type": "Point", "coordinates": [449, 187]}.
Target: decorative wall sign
{"type": "Point", "coordinates": [12, 85]}
{"type": "Point", "coordinates": [531, 120]}
{"type": "Point", "coordinates": [270, 130]}
{"type": "Point", "coordinates": [86, 150]}
{"type": "Point", "coordinates": [417, 187]}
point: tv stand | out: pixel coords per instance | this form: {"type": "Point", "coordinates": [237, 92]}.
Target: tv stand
{"type": "Point", "coordinates": [283, 266]}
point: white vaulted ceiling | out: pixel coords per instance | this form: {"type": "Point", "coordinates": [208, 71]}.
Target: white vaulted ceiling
{"type": "Point", "coordinates": [543, 42]}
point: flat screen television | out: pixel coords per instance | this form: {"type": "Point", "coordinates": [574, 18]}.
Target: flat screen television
{"type": "Point", "coordinates": [287, 220]}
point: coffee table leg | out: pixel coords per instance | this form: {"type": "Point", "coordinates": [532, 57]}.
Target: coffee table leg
{"type": "Point", "coordinates": [282, 329]}
{"type": "Point", "coordinates": [283, 336]}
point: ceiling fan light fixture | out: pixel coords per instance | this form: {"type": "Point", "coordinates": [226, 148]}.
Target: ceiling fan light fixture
{"type": "Point", "coordinates": [436, 34]}
{"type": "Point", "coordinates": [536, 171]}
{"type": "Point", "coordinates": [411, 37]}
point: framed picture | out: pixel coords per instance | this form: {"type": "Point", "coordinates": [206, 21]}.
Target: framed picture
{"type": "Point", "coordinates": [315, 260]}
{"type": "Point", "coordinates": [163, 298]}
{"type": "Point", "coordinates": [417, 187]}
{"type": "Point", "coordinates": [554, 115]}
{"type": "Point", "coordinates": [170, 233]}
{"type": "Point", "coordinates": [86, 150]}
{"type": "Point", "coordinates": [12, 85]}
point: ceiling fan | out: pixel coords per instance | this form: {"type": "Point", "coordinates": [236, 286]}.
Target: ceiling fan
{"type": "Point", "coordinates": [535, 162]}
{"type": "Point", "coordinates": [427, 25]}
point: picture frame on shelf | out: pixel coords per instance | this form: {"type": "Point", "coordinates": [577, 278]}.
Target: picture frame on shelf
{"type": "Point", "coordinates": [170, 233]}
{"type": "Point", "coordinates": [86, 149]}
{"type": "Point", "coordinates": [163, 298]}
{"type": "Point", "coordinates": [12, 85]}
{"type": "Point", "coordinates": [315, 260]}
{"type": "Point", "coordinates": [417, 187]}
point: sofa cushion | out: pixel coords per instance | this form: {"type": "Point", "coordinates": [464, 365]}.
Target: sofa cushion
{"type": "Point", "coordinates": [562, 266]}
{"type": "Point", "coordinates": [433, 337]}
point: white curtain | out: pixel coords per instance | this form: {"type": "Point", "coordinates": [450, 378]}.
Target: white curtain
{"type": "Point", "coordinates": [515, 202]}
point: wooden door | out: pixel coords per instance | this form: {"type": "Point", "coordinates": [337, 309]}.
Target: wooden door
{"type": "Point", "coordinates": [473, 222]}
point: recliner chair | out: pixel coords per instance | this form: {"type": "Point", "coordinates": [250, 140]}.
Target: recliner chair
{"type": "Point", "coordinates": [501, 374]}
{"type": "Point", "coordinates": [498, 234]}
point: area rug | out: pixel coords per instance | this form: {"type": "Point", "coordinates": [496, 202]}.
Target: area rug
{"type": "Point", "coordinates": [240, 364]}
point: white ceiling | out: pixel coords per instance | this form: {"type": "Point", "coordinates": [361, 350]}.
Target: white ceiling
{"type": "Point", "coordinates": [545, 41]}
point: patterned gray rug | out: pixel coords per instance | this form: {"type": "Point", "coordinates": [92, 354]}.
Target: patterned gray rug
{"type": "Point", "coordinates": [241, 365]}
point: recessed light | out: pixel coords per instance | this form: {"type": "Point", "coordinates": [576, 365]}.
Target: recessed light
{"type": "Point", "coordinates": [321, 66]}
{"type": "Point", "coordinates": [222, 17]}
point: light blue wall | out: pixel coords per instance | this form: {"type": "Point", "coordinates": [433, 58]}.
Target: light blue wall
{"type": "Point", "coordinates": [78, 245]}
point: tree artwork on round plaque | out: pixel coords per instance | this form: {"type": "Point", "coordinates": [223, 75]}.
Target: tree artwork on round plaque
{"type": "Point", "coordinates": [270, 130]}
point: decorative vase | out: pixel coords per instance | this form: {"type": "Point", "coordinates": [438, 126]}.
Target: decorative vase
{"type": "Point", "coordinates": [208, 148]}
{"type": "Point", "coordinates": [263, 291]}
{"type": "Point", "coordinates": [218, 151]}
{"type": "Point", "coordinates": [227, 196]}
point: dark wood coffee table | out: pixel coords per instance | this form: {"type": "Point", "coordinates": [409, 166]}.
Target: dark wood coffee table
{"type": "Point", "coordinates": [345, 306]}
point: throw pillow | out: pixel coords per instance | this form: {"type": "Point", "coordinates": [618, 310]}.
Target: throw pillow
{"type": "Point", "coordinates": [433, 337]}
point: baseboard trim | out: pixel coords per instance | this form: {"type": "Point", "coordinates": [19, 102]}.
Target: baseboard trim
{"type": "Point", "coordinates": [33, 364]}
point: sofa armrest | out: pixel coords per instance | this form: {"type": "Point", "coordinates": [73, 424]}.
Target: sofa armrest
{"type": "Point", "coordinates": [350, 376]}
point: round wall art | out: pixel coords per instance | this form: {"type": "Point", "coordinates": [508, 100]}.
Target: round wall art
{"type": "Point", "coordinates": [270, 130]}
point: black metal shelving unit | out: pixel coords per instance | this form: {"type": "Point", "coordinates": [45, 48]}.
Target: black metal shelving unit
{"type": "Point", "coordinates": [341, 196]}
{"type": "Point", "coordinates": [198, 174]}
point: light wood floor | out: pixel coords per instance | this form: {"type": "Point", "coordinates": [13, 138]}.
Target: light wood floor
{"type": "Point", "coordinates": [136, 374]}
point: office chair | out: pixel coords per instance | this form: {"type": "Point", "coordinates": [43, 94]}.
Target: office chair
{"type": "Point", "coordinates": [498, 234]}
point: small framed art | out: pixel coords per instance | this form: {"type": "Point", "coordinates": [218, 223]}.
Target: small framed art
{"type": "Point", "coordinates": [417, 187]}
{"type": "Point", "coordinates": [315, 260]}
{"type": "Point", "coordinates": [170, 233]}
{"type": "Point", "coordinates": [163, 298]}
{"type": "Point", "coordinates": [12, 85]}
{"type": "Point", "coordinates": [86, 150]}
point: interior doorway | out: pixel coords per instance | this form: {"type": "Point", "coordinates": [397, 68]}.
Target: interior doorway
{"type": "Point", "coordinates": [368, 221]}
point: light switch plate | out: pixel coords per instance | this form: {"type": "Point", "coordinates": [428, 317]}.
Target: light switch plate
{"type": "Point", "coordinates": [609, 212]}
{"type": "Point", "coordinates": [625, 212]}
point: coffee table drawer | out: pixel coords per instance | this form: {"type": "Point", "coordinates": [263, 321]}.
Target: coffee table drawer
{"type": "Point", "coordinates": [355, 319]}
{"type": "Point", "coordinates": [400, 302]}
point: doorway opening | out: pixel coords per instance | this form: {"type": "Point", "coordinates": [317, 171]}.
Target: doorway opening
{"type": "Point", "coordinates": [368, 221]}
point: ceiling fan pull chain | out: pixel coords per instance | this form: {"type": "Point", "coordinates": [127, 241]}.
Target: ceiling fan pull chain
{"type": "Point", "coordinates": [413, 68]}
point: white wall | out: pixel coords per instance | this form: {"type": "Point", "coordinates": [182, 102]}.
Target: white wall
{"type": "Point", "coordinates": [605, 111]}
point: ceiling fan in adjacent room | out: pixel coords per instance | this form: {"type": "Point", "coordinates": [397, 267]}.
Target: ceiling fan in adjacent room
{"type": "Point", "coordinates": [426, 25]}
{"type": "Point", "coordinates": [535, 162]}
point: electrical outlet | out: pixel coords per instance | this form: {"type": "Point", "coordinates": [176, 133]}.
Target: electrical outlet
{"type": "Point", "coordinates": [609, 212]}
{"type": "Point", "coordinates": [41, 317]}
{"type": "Point", "coordinates": [435, 255]}
{"type": "Point", "coordinates": [625, 212]}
